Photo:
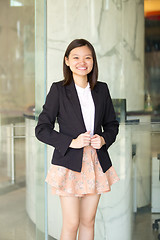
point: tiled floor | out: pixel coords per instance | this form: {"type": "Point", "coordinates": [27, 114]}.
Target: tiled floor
{"type": "Point", "coordinates": [14, 222]}
{"type": "Point", "coordinates": [143, 225]}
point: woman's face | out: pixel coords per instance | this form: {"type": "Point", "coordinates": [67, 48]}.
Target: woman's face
{"type": "Point", "coordinates": [80, 61]}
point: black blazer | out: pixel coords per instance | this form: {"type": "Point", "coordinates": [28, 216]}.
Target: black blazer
{"type": "Point", "coordinates": [62, 103]}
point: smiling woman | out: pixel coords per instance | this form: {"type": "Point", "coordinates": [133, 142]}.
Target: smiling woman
{"type": "Point", "coordinates": [81, 167]}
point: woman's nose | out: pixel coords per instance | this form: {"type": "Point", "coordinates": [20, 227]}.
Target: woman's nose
{"type": "Point", "coordinates": [82, 61]}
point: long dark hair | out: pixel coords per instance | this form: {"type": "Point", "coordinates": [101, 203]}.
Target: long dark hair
{"type": "Point", "coordinates": [93, 75]}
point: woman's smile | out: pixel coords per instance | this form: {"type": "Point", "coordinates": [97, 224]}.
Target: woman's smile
{"type": "Point", "coordinates": [81, 68]}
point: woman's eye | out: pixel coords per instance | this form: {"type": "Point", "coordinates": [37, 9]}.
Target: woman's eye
{"type": "Point", "coordinates": [88, 57]}
{"type": "Point", "coordinates": [75, 58]}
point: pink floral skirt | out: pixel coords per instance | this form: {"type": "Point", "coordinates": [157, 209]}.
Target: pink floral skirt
{"type": "Point", "coordinates": [91, 179]}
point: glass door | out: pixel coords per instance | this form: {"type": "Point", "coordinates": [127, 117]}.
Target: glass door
{"type": "Point", "coordinates": [40, 94]}
{"type": "Point", "coordinates": [17, 103]}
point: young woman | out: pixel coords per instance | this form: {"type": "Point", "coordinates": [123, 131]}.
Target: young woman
{"type": "Point", "coordinates": [81, 167]}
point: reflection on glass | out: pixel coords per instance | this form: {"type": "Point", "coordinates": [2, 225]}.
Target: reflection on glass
{"type": "Point", "coordinates": [15, 3]}
{"type": "Point", "coordinates": [17, 71]}
{"type": "Point", "coordinates": [152, 65]}
{"type": "Point", "coordinates": [120, 109]}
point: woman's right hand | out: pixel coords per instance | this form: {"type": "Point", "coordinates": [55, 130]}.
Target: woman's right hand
{"type": "Point", "coordinates": [83, 140]}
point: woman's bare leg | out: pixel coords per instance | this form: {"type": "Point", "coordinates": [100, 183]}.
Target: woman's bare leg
{"type": "Point", "coordinates": [88, 208]}
{"type": "Point", "coordinates": [70, 211]}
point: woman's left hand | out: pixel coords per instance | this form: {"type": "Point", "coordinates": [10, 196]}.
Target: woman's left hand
{"type": "Point", "coordinates": [97, 141]}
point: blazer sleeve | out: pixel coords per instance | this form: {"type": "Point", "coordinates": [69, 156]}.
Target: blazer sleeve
{"type": "Point", "coordinates": [44, 130]}
{"type": "Point", "coordinates": [110, 124]}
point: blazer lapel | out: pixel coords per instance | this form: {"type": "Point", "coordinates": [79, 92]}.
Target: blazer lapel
{"type": "Point", "coordinates": [73, 97]}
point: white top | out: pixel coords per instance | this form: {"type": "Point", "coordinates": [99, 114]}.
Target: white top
{"type": "Point", "coordinates": [87, 107]}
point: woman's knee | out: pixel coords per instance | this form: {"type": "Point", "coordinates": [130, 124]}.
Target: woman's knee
{"type": "Point", "coordinates": [87, 221]}
{"type": "Point", "coordinates": [71, 225]}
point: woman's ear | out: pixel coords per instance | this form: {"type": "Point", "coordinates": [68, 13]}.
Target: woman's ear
{"type": "Point", "coordinates": [66, 61]}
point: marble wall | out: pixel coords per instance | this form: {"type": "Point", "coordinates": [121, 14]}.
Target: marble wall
{"type": "Point", "coordinates": [115, 28]}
